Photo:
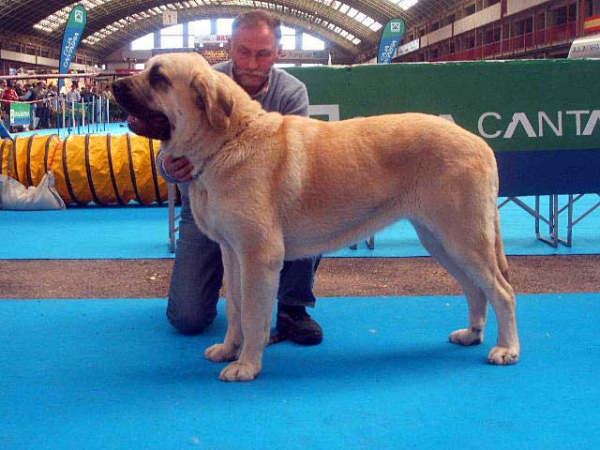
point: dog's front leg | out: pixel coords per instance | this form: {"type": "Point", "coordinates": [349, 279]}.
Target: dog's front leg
{"type": "Point", "coordinates": [259, 281]}
{"type": "Point", "coordinates": [229, 350]}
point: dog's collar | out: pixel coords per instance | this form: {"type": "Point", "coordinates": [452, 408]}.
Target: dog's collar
{"type": "Point", "coordinates": [237, 135]}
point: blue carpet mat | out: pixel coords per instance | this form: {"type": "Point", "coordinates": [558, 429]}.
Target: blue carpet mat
{"type": "Point", "coordinates": [142, 232]}
{"type": "Point", "coordinates": [85, 233]}
{"type": "Point", "coordinates": [111, 374]}
{"type": "Point", "coordinates": [112, 128]}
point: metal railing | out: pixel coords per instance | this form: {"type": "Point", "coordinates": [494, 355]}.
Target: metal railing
{"type": "Point", "coordinates": [516, 45]}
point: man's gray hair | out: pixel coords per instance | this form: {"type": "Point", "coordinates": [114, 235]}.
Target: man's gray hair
{"type": "Point", "coordinates": [256, 17]}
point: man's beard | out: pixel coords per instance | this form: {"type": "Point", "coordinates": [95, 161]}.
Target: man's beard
{"type": "Point", "coordinates": [253, 73]}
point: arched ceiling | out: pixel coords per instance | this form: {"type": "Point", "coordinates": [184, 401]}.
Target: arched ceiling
{"type": "Point", "coordinates": [351, 28]}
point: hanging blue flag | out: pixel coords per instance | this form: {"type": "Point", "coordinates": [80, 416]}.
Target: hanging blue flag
{"type": "Point", "coordinates": [390, 40]}
{"type": "Point", "coordinates": [73, 33]}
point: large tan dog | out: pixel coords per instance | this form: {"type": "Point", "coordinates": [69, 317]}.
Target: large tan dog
{"type": "Point", "coordinates": [270, 187]}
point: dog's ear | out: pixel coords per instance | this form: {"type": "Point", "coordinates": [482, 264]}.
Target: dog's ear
{"type": "Point", "coordinates": [214, 98]}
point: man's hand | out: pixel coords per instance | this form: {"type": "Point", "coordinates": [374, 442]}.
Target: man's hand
{"type": "Point", "coordinates": [179, 168]}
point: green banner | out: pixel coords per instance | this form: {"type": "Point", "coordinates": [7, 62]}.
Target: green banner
{"type": "Point", "coordinates": [71, 38]}
{"type": "Point", "coordinates": [390, 40]}
{"type": "Point", "coordinates": [520, 105]}
{"type": "Point", "coordinates": [20, 113]}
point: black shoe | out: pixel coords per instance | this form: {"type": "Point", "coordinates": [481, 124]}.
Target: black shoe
{"type": "Point", "coordinates": [298, 326]}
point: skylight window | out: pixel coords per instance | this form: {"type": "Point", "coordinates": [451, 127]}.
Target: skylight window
{"type": "Point", "coordinates": [406, 4]}
{"type": "Point", "coordinates": [368, 22]}
{"type": "Point", "coordinates": [358, 16]}
{"type": "Point", "coordinates": [58, 20]}
{"type": "Point", "coordinates": [376, 26]}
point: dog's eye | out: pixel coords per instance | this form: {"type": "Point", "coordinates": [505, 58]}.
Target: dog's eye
{"type": "Point", "coordinates": [157, 79]}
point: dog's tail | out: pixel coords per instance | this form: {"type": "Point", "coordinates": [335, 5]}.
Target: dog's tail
{"type": "Point", "coordinates": [500, 255]}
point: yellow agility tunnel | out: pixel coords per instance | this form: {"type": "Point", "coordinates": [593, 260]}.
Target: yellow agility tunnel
{"type": "Point", "coordinates": [104, 169]}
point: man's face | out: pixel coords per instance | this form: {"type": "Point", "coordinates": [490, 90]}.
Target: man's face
{"type": "Point", "coordinates": [254, 50]}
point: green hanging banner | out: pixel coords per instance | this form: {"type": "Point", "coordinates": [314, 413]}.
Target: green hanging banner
{"type": "Point", "coordinates": [73, 33]}
{"type": "Point", "coordinates": [390, 40]}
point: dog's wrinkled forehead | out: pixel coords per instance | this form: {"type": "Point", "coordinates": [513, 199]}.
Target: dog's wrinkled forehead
{"type": "Point", "coordinates": [163, 71]}
{"type": "Point", "coordinates": [159, 77]}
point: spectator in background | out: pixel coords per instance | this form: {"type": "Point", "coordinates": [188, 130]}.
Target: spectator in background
{"type": "Point", "coordinates": [32, 95]}
{"type": "Point", "coordinates": [2, 87]}
{"type": "Point", "coordinates": [40, 91]}
{"type": "Point", "coordinates": [19, 88]}
{"type": "Point", "coordinates": [24, 89]}
{"type": "Point", "coordinates": [106, 97]}
{"type": "Point", "coordinates": [107, 94]}
{"type": "Point", "coordinates": [50, 106]}
{"type": "Point", "coordinates": [26, 96]}
{"type": "Point", "coordinates": [72, 98]}
{"type": "Point", "coordinates": [63, 90]}
{"type": "Point", "coordinates": [9, 95]}
{"type": "Point", "coordinates": [85, 93]}
{"type": "Point", "coordinates": [94, 107]}
{"type": "Point", "coordinates": [54, 102]}
{"type": "Point", "coordinates": [73, 95]}
{"type": "Point", "coordinates": [86, 99]}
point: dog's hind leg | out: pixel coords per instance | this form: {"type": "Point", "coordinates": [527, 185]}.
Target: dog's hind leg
{"type": "Point", "coordinates": [478, 305]}
{"type": "Point", "coordinates": [475, 253]}
{"type": "Point", "coordinates": [259, 275]}
{"type": "Point", "coordinates": [229, 350]}
{"type": "Point", "coordinates": [500, 255]}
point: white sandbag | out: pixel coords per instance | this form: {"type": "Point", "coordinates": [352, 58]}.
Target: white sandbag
{"type": "Point", "coordinates": [15, 196]}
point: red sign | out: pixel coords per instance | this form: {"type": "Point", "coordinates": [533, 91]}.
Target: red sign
{"type": "Point", "coordinates": [592, 24]}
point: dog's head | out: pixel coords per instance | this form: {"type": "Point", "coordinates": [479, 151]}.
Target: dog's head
{"type": "Point", "coordinates": [177, 95]}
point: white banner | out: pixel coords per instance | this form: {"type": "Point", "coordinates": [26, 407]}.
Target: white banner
{"type": "Point", "coordinates": [169, 18]}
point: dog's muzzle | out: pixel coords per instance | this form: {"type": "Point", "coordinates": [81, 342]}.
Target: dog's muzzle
{"type": "Point", "coordinates": [142, 121]}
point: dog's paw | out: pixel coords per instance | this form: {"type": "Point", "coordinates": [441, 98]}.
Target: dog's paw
{"type": "Point", "coordinates": [467, 337]}
{"type": "Point", "coordinates": [238, 371]}
{"type": "Point", "coordinates": [221, 353]}
{"type": "Point", "coordinates": [503, 356]}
